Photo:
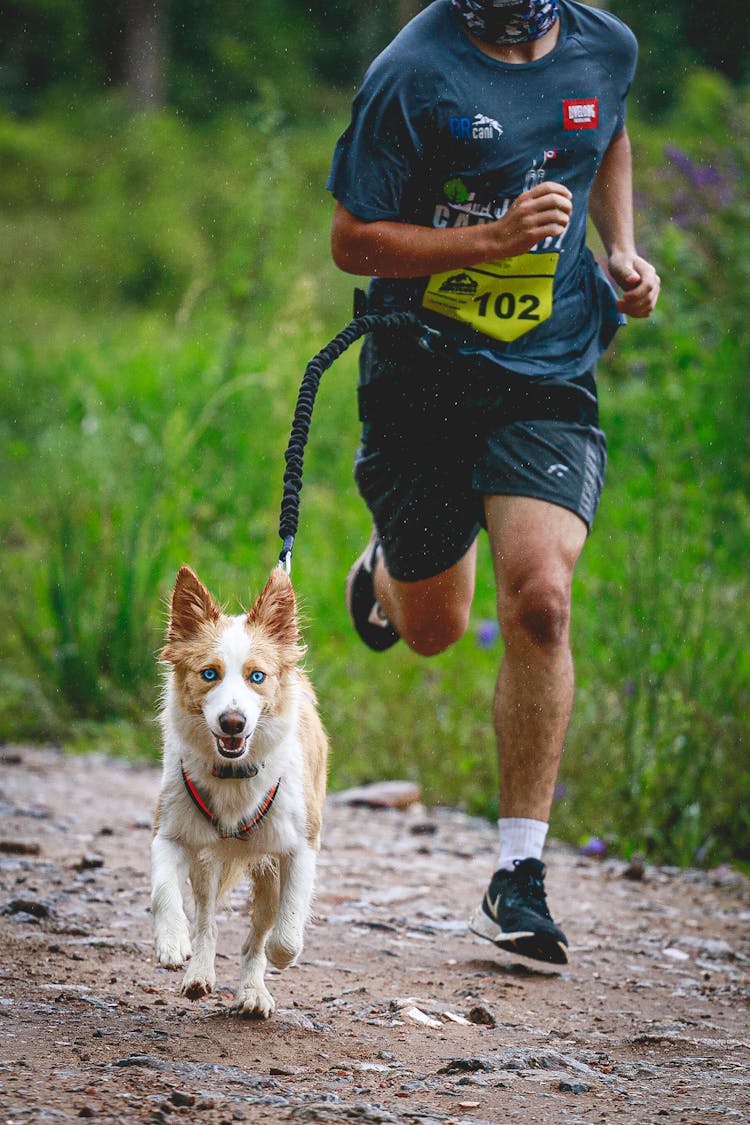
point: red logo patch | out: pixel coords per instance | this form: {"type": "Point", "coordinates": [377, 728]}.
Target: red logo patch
{"type": "Point", "coordinates": [581, 113]}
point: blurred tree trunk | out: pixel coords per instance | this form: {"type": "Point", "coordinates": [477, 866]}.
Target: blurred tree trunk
{"type": "Point", "coordinates": [144, 53]}
{"type": "Point", "coordinates": [379, 20]}
{"type": "Point", "coordinates": [371, 31]}
{"type": "Point", "coordinates": [407, 9]}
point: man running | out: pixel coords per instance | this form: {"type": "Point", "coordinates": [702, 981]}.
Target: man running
{"type": "Point", "coordinates": [480, 140]}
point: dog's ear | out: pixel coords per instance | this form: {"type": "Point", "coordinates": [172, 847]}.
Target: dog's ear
{"type": "Point", "coordinates": [275, 609]}
{"type": "Point", "coordinates": [191, 607]}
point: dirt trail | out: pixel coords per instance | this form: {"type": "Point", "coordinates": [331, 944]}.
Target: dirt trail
{"type": "Point", "coordinates": [396, 1013]}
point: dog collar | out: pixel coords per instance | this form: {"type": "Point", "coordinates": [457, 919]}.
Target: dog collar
{"type": "Point", "coordinates": [244, 828]}
{"type": "Point", "coordinates": [234, 773]}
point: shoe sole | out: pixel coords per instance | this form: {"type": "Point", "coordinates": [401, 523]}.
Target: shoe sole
{"type": "Point", "coordinates": [525, 943]}
{"type": "Point", "coordinates": [376, 637]}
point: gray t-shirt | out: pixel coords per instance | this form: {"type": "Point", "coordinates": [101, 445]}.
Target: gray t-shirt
{"type": "Point", "coordinates": [443, 135]}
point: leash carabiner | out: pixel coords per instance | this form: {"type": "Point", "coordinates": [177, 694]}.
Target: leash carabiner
{"type": "Point", "coordinates": [285, 558]}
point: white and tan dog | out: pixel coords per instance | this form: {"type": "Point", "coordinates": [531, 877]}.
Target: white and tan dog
{"type": "Point", "coordinates": [244, 780]}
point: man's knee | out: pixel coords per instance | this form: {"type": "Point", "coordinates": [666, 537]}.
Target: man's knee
{"type": "Point", "coordinates": [432, 634]}
{"type": "Point", "coordinates": [432, 614]}
{"type": "Point", "coordinates": [538, 612]}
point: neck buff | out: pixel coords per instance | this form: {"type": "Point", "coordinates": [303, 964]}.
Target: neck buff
{"type": "Point", "coordinates": [506, 22]}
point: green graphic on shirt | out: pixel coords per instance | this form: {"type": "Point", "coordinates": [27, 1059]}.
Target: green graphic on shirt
{"type": "Point", "coordinates": [456, 191]}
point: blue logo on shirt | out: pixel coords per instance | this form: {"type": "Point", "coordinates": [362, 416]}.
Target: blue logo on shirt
{"type": "Point", "coordinates": [478, 128]}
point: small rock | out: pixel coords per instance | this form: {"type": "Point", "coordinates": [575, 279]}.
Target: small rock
{"type": "Point", "coordinates": [381, 795]}
{"type": "Point", "coordinates": [480, 1014]}
{"type": "Point", "coordinates": [35, 907]}
{"type": "Point", "coordinates": [89, 862]}
{"type": "Point", "coordinates": [569, 1086]}
{"type": "Point", "coordinates": [19, 847]}
{"type": "Point", "coordinates": [148, 1061]}
{"type": "Point", "coordinates": [635, 870]}
{"type": "Point", "coordinates": [469, 1065]}
{"type": "Point", "coordinates": [178, 1097]}
{"type": "Point", "coordinates": [676, 954]}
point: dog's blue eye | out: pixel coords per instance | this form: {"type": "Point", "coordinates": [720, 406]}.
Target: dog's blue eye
{"type": "Point", "coordinates": [257, 677]}
{"type": "Point", "coordinates": [210, 675]}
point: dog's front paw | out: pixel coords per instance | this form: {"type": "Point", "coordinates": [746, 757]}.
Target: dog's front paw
{"type": "Point", "coordinates": [254, 1001]}
{"type": "Point", "coordinates": [173, 948]}
{"type": "Point", "coordinates": [195, 985]}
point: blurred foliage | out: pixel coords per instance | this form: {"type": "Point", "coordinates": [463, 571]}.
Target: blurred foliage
{"type": "Point", "coordinates": [676, 36]}
{"type": "Point", "coordinates": [143, 210]}
{"type": "Point", "coordinates": [680, 766]}
{"type": "Point", "coordinates": [211, 54]}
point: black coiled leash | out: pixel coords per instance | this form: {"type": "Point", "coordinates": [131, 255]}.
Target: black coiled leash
{"type": "Point", "coordinates": [355, 329]}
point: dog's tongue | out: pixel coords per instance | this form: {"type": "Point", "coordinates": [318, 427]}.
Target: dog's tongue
{"type": "Point", "coordinates": [232, 743]}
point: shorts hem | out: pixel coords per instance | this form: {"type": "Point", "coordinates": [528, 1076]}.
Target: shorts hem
{"type": "Point", "coordinates": [429, 568]}
{"type": "Point", "coordinates": [528, 494]}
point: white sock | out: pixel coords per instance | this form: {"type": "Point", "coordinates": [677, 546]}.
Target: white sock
{"type": "Point", "coordinates": [520, 838]}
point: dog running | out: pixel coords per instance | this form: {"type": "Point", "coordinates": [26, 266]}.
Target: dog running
{"type": "Point", "coordinates": [243, 785]}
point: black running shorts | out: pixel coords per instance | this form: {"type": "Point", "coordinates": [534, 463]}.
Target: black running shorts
{"type": "Point", "coordinates": [440, 432]}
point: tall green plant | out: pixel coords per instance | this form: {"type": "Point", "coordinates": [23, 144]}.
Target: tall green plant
{"type": "Point", "coordinates": [88, 637]}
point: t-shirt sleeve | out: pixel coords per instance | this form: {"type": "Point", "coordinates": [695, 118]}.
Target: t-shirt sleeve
{"type": "Point", "coordinates": [626, 57]}
{"type": "Point", "coordinates": [379, 154]}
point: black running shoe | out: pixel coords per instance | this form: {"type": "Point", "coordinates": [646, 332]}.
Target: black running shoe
{"type": "Point", "coordinates": [364, 608]}
{"type": "Point", "coordinates": [515, 917]}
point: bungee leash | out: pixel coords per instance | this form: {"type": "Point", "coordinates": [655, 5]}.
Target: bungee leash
{"type": "Point", "coordinates": [318, 365]}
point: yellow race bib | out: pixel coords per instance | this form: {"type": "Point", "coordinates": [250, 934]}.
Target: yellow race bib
{"type": "Point", "coordinates": [502, 299]}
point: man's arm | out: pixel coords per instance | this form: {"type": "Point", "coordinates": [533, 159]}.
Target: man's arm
{"type": "Point", "coordinates": [611, 208]}
{"type": "Point", "coordinates": [392, 249]}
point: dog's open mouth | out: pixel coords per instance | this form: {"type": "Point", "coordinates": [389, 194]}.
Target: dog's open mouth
{"type": "Point", "coordinates": [230, 745]}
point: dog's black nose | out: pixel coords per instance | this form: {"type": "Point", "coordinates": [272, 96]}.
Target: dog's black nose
{"type": "Point", "coordinates": [232, 722]}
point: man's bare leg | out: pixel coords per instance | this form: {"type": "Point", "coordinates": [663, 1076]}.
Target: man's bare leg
{"type": "Point", "coordinates": [433, 613]}
{"type": "Point", "coordinates": [535, 547]}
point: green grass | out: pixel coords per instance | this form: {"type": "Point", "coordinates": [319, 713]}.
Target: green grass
{"type": "Point", "coordinates": [167, 289]}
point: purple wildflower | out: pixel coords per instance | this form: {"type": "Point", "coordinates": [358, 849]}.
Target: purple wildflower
{"type": "Point", "coordinates": [487, 633]}
{"type": "Point", "coordinates": [706, 185]}
{"type": "Point", "coordinates": [594, 846]}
